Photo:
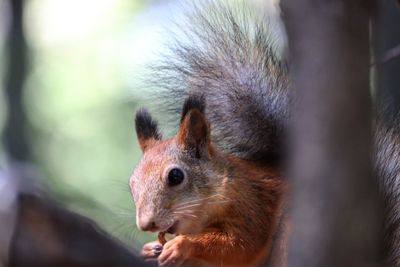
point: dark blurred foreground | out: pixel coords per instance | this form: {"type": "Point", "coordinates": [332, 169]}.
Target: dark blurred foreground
{"type": "Point", "coordinates": [35, 231]}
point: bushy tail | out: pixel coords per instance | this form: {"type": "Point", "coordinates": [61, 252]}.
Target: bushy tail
{"type": "Point", "coordinates": [229, 57]}
{"type": "Point", "coordinates": [387, 169]}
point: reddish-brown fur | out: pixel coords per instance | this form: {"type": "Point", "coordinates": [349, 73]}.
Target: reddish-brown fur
{"type": "Point", "coordinates": [241, 232]}
{"type": "Point", "coordinates": [235, 230]}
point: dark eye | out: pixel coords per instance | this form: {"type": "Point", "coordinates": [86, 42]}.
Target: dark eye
{"type": "Point", "coordinates": [175, 177]}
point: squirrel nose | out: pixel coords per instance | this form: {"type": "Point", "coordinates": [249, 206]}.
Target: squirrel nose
{"type": "Point", "coordinates": [147, 224]}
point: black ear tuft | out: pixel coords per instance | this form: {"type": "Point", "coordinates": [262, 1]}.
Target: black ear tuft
{"type": "Point", "coordinates": [146, 127]}
{"type": "Point", "coordinates": [193, 102]}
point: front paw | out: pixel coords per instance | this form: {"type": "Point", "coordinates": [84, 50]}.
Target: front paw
{"type": "Point", "coordinates": [151, 250]}
{"type": "Point", "coordinates": [175, 252]}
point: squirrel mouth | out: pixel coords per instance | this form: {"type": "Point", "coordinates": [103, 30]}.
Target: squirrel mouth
{"type": "Point", "coordinates": [173, 228]}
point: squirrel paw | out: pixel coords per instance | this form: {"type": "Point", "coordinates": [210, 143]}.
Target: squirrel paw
{"type": "Point", "coordinates": [151, 251]}
{"type": "Point", "coordinates": [175, 252]}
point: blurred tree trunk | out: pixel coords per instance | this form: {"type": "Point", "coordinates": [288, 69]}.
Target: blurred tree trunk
{"type": "Point", "coordinates": [387, 36]}
{"type": "Point", "coordinates": [337, 211]}
{"type": "Point", "coordinates": [14, 135]}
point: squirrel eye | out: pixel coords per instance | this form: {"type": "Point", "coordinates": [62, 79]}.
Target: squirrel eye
{"type": "Point", "coordinates": [175, 177]}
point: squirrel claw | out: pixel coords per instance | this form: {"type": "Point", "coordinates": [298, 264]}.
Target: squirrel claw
{"type": "Point", "coordinates": [157, 249]}
{"type": "Point", "coordinates": [151, 250]}
{"type": "Point", "coordinates": [174, 253]}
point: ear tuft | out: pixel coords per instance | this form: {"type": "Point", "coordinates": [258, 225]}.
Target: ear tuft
{"type": "Point", "coordinates": [194, 131]}
{"type": "Point", "coordinates": [193, 102]}
{"type": "Point", "coordinates": [146, 128]}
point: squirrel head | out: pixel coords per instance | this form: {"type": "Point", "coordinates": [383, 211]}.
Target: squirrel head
{"type": "Point", "coordinates": [172, 181]}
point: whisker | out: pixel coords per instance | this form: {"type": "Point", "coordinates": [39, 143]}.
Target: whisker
{"type": "Point", "coordinates": [189, 206]}
{"type": "Point", "coordinates": [186, 214]}
{"type": "Point", "coordinates": [124, 214]}
{"type": "Point", "coordinates": [201, 199]}
{"type": "Point", "coordinates": [187, 203]}
{"type": "Point", "coordinates": [200, 204]}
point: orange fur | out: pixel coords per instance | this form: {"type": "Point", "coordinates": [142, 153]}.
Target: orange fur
{"type": "Point", "coordinates": [240, 202]}
{"type": "Point", "coordinates": [237, 236]}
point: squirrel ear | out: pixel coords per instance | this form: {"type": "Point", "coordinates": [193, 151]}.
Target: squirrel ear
{"type": "Point", "coordinates": [194, 131]}
{"type": "Point", "coordinates": [146, 129]}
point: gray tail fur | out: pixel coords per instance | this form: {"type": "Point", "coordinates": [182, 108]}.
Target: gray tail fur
{"type": "Point", "coordinates": [231, 61]}
{"type": "Point", "coordinates": [387, 169]}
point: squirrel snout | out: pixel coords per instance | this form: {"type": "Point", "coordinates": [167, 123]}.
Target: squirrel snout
{"type": "Point", "coordinates": [147, 223]}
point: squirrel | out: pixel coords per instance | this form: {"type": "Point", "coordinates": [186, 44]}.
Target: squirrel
{"type": "Point", "coordinates": [217, 184]}
{"type": "Point", "coordinates": [225, 209]}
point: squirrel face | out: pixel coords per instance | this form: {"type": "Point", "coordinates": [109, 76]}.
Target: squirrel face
{"type": "Point", "coordinates": [170, 183]}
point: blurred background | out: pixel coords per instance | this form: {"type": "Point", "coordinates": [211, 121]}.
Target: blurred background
{"type": "Point", "coordinates": [84, 80]}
